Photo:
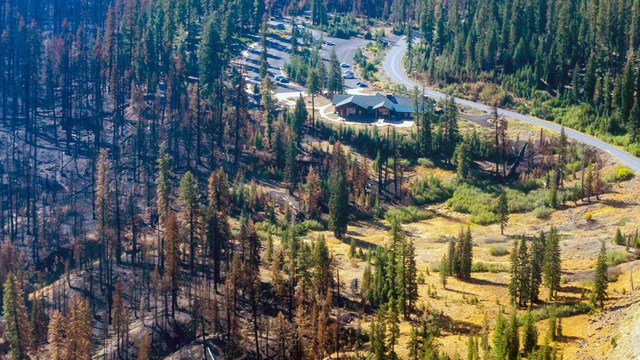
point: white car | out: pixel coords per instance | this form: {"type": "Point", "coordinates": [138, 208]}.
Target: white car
{"type": "Point", "coordinates": [348, 76]}
{"type": "Point", "coordinates": [330, 43]}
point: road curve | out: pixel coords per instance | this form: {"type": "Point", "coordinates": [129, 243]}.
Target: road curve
{"type": "Point", "coordinates": [393, 68]}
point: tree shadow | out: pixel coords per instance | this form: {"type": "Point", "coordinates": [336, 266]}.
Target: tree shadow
{"type": "Point", "coordinates": [617, 204]}
{"type": "Point", "coordinates": [476, 281]}
{"type": "Point", "coordinates": [347, 239]}
{"type": "Point", "coordinates": [459, 327]}
{"type": "Point", "coordinates": [459, 292]}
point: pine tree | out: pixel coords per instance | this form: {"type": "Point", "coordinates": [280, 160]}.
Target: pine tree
{"type": "Point", "coordinates": [537, 260]}
{"type": "Point", "coordinates": [79, 330]}
{"type": "Point", "coordinates": [513, 336]}
{"type": "Point", "coordinates": [313, 85]}
{"type": "Point", "coordinates": [171, 276]}
{"type": "Point", "coordinates": [503, 210]}
{"type": "Point", "coordinates": [269, 109]}
{"type": "Point", "coordinates": [15, 319]}
{"type": "Point", "coordinates": [524, 273]}
{"type": "Point", "coordinates": [378, 336]}
{"type": "Point", "coordinates": [561, 166]}
{"type": "Point", "coordinates": [38, 322]}
{"type": "Point", "coordinates": [410, 274]}
{"type": "Point", "coordinates": [312, 194]}
{"type": "Point", "coordinates": [210, 58]}
{"type": "Point", "coordinates": [188, 200]}
{"type": "Point", "coordinates": [163, 192]}
{"type": "Point", "coordinates": [618, 239]}
{"type": "Point", "coordinates": [529, 334]}
{"type": "Point", "coordinates": [57, 343]}
{"type": "Point", "coordinates": [393, 323]}
{"type": "Point", "coordinates": [500, 337]}
{"type": "Point", "coordinates": [600, 281]}
{"type": "Point", "coordinates": [300, 115]}
{"type": "Point", "coordinates": [515, 273]}
{"type": "Point", "coordinates": [634, 121]}
{"type": "Point", "coordinates": [463, 159]}
{"type": "Point", "coordinates": [443, 270]}
{"type": "Point", "coordinates": [291, 162]}
{"type": "Point", "coordinates": [217, 229]}
{"type": "Point", "coordinates": [467, 254]}
{"type": "Point", "coordinates": [552, 265]}
{"type": "Point", "coordinates": [334, 79]}
{"type": "Point", "coordinates": [425, 137]}
{"type": "Point", "coordinates": [338, 193]}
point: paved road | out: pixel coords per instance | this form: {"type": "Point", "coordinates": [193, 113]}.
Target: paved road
{"type": "Point", "coordinates": [392, 66]}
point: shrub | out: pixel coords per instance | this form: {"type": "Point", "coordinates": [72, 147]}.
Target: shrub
{"type": "Point", "coordinates": [314, 225]}
{"type": "Point", "coordinates": [480, 267]}
{"type": "Point", "coordinates": [466, 199]}
{"type": "Point", "coordinates": [520, 202]}
{"type": "Point", "coordinates": [472, 200]}
{"type": "Point", "coordinates": [486, 217]}
{"type": "Point", "coordinates": [498, 250]}
{"type": "Point", "coordinates": [617, 257]}
{"type": "Point", "coordinates": [588, 216]}
{"type": "Point", "coordinates": [429, 190]}
{"type": "Point", "coordinates": [542, 212]}
{"type": "Point", "coordinates": [566, 310]}
{"type": "Point", "coordinates": [409, 214]}
{"type": "Point", "coordinates": [621, 173]}
{"type": "Point", "coordinates": [425, 162]}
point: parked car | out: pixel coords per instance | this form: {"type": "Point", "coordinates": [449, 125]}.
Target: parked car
{"type": "Point", "coordinates": [348, 76]}
{"type": "Point", "coordinates": [279, 77]}
{"type": "Point", "coordinates": [283, 80]}
{"type": "Point", "coordinates": [362, 84]}
{"type": "Point", "coordinates": [330, 43]}
{"type": "Point", "coordinates": [344, 65]}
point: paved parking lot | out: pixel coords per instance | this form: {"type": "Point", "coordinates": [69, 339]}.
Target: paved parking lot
{"type": "Point", "coordinates": [278, 53]}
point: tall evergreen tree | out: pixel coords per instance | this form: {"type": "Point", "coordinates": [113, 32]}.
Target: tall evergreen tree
{"type": "Point", "coordinates": [601, 279]}
{"type": "Point", "coordinates": [338, 193]}
{"type": "Point", "coordinates": [537, 261]}
{"type": "Point", "coordinates": [188, 200]}
{"type": "Point", "coordinates": [552, 265]}
{"type": "Point", "coordinates": [16, 324]}
{"type": "Point", "coordinates": [529, 334]}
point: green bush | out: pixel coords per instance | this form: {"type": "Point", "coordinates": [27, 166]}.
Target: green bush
{"type": "Point", "coordinates": [521, 202]}
{"type": "Point", "coordinates": [469, 199]}
{"type": "Point", "coordinates": [621, 173]}
{"type": "Point", "coordinates": [425, 162]}
{"type": "Point", "coordinates": [542, 212]}
{"type": "Point", "coordinates": [498, 251]}
{"type": "Point", "coordinates": [314, 225]}
{"type": "Point", "coordinates": [408, 214]}
{"type": "Point", "coordinates": [486, 217]}
{"type": "Point", "coordinates": [429, 190]}
{"type": "Point", "coordinates": [562, 310]}
{"type": "Point", "coordinates": [617, 257]}
{"type": "Point", "coordinates": [480, 267]}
